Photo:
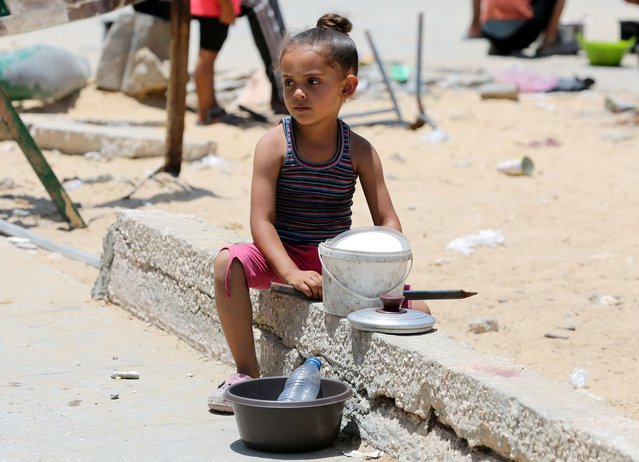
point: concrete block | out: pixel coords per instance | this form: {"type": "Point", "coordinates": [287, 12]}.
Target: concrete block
{"type": "Point", "coordinates": [417, 397]}
{"type": "Point", "coordinates": [172, 288]}
{"type": "Point", "coordinates": [147, 74]}
{"type": "Point", "coordinates": [110, 140]}
{"type": "Point", "coordinates": [115, 53]}
{"type": "Point", "coordinates": [151, 33]}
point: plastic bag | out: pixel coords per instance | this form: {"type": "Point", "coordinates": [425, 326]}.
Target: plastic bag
{"type": "Point", "coordinates": [42, 72]}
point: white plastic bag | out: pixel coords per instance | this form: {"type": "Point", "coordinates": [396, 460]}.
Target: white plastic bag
{"type": "Point", "coordinates": [42, 72]}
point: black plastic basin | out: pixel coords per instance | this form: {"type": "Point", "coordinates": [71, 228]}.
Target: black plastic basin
{"type": "Point", "coordinates": [269, 425]}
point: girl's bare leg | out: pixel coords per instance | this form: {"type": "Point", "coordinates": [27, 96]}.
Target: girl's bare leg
{"type": "Point", "coordinates": [236, 314]}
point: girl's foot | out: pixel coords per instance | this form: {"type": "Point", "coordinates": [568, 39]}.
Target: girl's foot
{"type": "Point", "coordinates": [216, 399]}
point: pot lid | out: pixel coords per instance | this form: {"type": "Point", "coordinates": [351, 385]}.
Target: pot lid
{"type": "Point", "coordinates": [370, 239]}
{"type": "Point", "coordinates": [404, 321]}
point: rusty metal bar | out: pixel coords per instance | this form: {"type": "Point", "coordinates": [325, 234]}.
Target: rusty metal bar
{"type": "Point", "coordinates": [21, 135]}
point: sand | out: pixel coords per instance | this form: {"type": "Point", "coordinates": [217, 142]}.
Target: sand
{"type": "Point", "coordinates": [564, 283]}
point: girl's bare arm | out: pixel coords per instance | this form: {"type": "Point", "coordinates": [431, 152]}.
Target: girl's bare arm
{"type": "Point", "coordinates": [266, 166]}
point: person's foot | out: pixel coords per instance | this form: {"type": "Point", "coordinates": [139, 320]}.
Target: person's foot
{"type": "Point", "coordinates": [558, 48]}
{"type": "Point", "coordinates": [219, 115]}
{"type": "Point", "coordinates": [216, 399]}
{"type": "Point", "coordinates": [494, 51]}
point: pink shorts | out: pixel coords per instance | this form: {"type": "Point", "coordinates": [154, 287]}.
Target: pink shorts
{"type": "Point", "coordinates": [259, 274]}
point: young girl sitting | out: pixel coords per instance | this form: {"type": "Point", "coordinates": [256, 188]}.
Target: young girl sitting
{"type": "Point", "coordinates": [304, 176]}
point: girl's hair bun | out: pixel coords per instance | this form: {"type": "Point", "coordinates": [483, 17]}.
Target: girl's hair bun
{"type": "Point", "coordinates": [335, 22]}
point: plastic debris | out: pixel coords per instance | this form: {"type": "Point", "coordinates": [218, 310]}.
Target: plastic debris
{"type": "Point", "coordinates": [499, 91]}
{"type": "Point", "coordinates": [579, 377]}
{"type": "Point", "coordinates": [615, 105]}
{"type": "Point", "coordinates": [606, 299]}
{"type": "Point", "coordinates": [435, 137]}
{"type": "Point", "coordinates": [75, 183]}
{"type": "Point", "coordinates": [517, 167]}
{"type": "Point", "coordinates": [22, 243]}
{"type": "Point", "coordinates": [130, 375]}
{"type": "Point", "coordinates": [207, 162]}
{"type": "Point", "coordinates": [485, 238]}
{"type": "Point", "coordinates": [376, 454]}
{"type": "Point", "coordinates": [42, 72]}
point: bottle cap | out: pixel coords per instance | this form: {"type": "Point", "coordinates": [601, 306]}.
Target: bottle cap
{"type": "Point", "coordinates": [314, 361]}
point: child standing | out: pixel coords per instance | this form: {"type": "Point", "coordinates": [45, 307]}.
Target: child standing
{"type": "Point", "coordinates": [215, 17]}
{"type": "Point", "coordinates": [304, 176]}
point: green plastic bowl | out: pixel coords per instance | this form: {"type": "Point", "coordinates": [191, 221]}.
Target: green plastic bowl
{"type": "Point", "coordinates": [605, 53]}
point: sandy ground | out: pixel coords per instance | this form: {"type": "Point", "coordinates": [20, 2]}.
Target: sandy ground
{"type": "Point", "coordinates": [564, 284]}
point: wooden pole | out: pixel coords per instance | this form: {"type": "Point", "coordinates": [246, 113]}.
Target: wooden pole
{"type": "Point", "coordinates": [32, 152]}
{"type": "Point", "coordinates": [176, 104]}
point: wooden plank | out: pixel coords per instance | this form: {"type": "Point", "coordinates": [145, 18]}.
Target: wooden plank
{"type": "Point", "coordinates": [29, 15]}
{"type": "Point", "coordinates": [176, 103]}
{"type": "Point", "coordinates": [21, 135]}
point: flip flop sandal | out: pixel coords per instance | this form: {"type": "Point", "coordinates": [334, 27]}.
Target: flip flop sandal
{"type": "Point", "coordinates": [219, 115]}
{"type": "Point", "coordinates": [212, 116]}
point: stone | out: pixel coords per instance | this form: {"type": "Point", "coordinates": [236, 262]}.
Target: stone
{"type": "Point", "coordinates": [483, 324]}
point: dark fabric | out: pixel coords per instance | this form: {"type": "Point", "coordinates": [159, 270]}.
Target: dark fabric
{"type": "Point", "coordinates": [212, 33]}
{"type": "Point", "coordinates": [515, 35]}
{"type": "Point", "coordinates": [267, 27]}
{"type": "Point", "coordinates": [157, 8]}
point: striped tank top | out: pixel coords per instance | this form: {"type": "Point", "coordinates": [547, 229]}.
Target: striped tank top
{"type": "Point", "coordinates": [313, 200]}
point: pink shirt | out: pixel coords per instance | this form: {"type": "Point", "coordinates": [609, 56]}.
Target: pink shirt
{"type": "Point", "coordinates": [211, 8]}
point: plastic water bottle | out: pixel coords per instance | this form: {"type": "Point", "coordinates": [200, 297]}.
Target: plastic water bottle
{"type": "Point", "coordinates": [304, 382]}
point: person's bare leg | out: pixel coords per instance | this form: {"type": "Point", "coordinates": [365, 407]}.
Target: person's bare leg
{"type": "Point", "coordinates": [474, 30]}
{"type": "Point", "coordinates": [204, 77]}
{"type": "Point", "coordinates": [236, 314]}
{"type": "Point", "coordinates": [550, 34]}
{"type": "Point", "coordinates": [419, 305]}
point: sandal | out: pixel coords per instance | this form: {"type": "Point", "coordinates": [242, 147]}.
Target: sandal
{"type": "Point", "coordinates": [217, 401]}
{"type": "Point", "coordinates": [218, 114]}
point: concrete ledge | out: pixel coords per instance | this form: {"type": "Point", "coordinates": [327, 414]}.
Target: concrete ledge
{"type": "Point", "coordinates": [418, 397]}
{"type": "Point", "coordinates": [106, 138]}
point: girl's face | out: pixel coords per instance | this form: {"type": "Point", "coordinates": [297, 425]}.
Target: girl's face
{"type": "Point", "coordinates": [313, 90]}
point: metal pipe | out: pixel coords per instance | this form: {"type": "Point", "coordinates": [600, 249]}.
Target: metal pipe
{"type": "Point", "coordinates": [384, 76]}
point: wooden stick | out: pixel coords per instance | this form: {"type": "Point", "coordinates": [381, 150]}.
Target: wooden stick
{"type": "Point", "coordinates": [176, 103]}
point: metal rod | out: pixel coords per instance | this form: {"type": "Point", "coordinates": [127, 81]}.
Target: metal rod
{"type": "Point", "coordinates": [40, 166]}
{"type": "Point", "coordinates": [387, 82]}
{"type": "Point", "coordinates": [367, 113]}
{"type": "Point", "coordinates": [437, 294]}
{"type": "Point", "coordinates": [287, 289]}
{"type": "Point", "coordinates": [423, 117]}
{"type": "Point", "coordinates": [9, 229]}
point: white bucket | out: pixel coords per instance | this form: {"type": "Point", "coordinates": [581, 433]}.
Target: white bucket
{"type": "Point", "coordinates": [353, 279]}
